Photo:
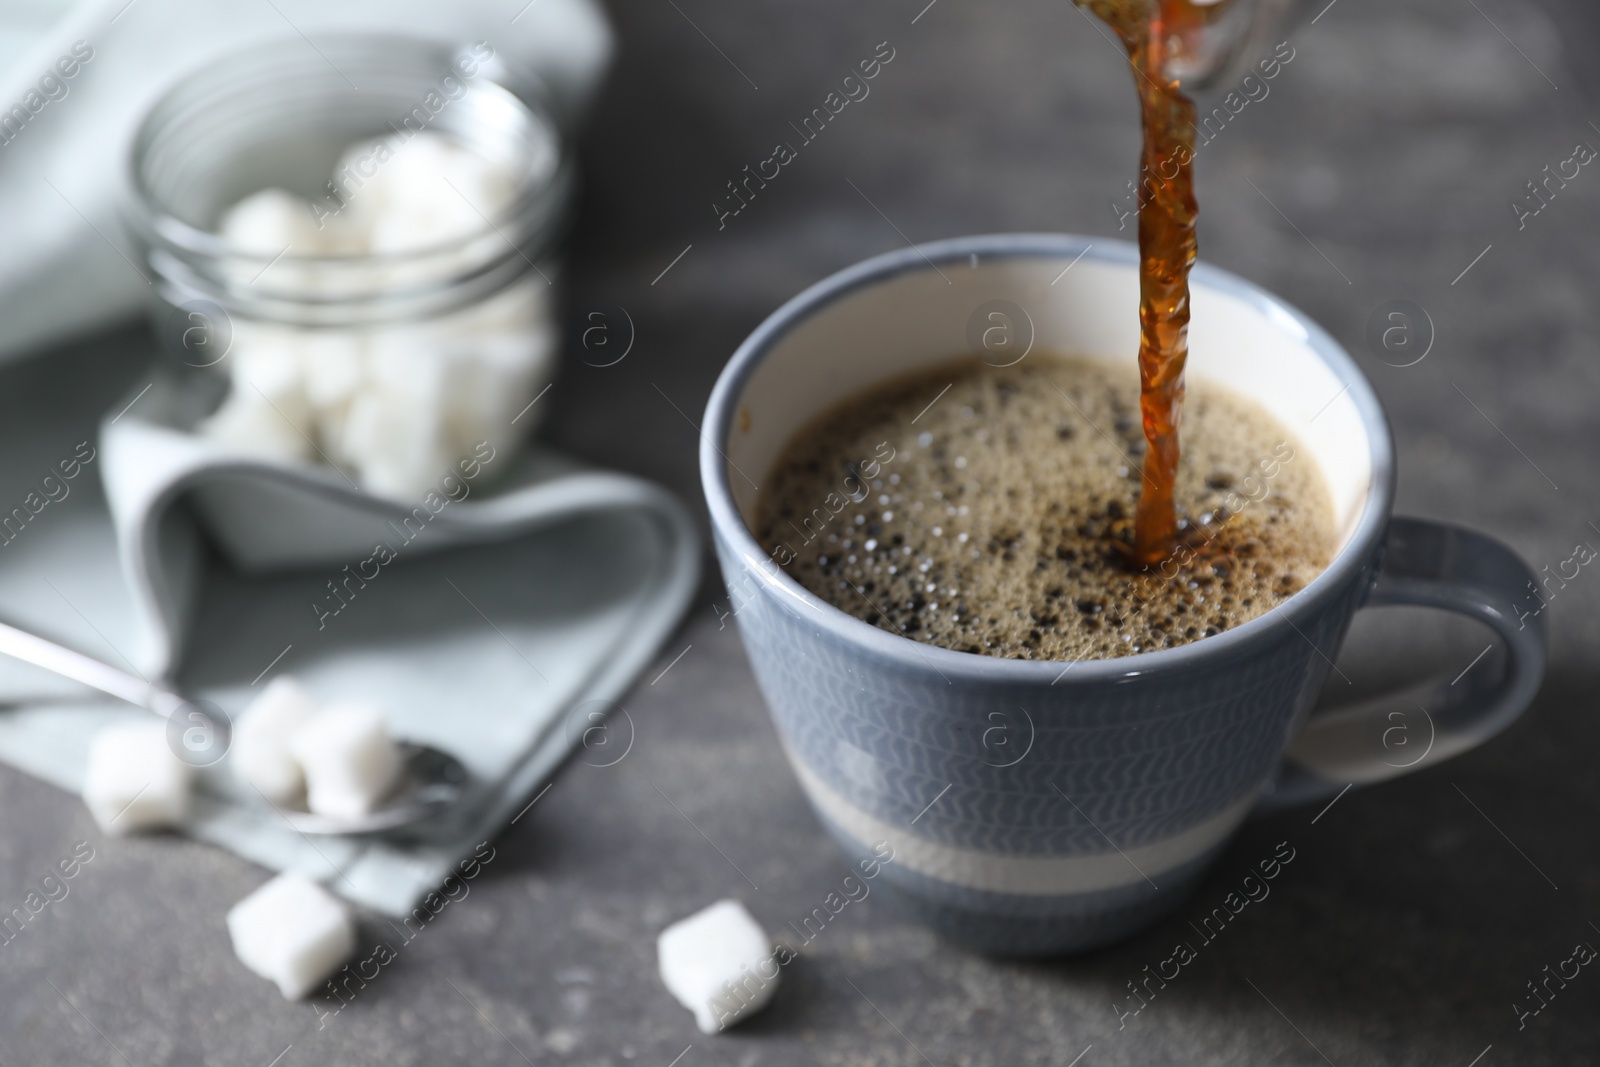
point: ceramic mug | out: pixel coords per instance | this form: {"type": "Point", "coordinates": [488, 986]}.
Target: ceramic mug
{"type": "Point", "coordinates": [1111, 785]}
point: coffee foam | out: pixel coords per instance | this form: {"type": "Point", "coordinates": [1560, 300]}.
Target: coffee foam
{"type": "Point", "coordinates": [998, 526]}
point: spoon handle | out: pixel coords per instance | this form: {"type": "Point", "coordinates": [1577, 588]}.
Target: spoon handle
{"type": "Point", "coordinates": [31, 648]}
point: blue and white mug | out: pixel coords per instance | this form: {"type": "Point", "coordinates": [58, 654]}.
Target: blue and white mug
{"type": "Point", "coordinates": [1037, 810]}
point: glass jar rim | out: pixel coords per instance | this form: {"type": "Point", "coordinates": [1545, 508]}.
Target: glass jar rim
{"type": "Point", "coordinates": [456, 90]}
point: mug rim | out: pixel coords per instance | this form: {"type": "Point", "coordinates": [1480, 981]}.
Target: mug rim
{"type": "Point", "coordinates": [729, 524]}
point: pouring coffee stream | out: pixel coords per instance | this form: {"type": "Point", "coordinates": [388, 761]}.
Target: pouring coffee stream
{"type": "Point", "coordinates": [1169, 43]}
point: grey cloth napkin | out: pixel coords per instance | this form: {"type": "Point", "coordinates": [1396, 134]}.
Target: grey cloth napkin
{"type": "Point", "coordinates": [521, 607]}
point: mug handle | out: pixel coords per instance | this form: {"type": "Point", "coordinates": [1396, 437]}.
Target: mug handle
{"type": "Point", "coordinates": [1434, 565]}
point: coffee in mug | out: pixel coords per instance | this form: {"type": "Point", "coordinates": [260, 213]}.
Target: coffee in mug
{"type": "Point", "coordinates": [991, 510]}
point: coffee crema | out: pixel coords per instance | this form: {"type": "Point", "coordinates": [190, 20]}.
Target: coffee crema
{"type": "Point", "coordinates": [991, 510]}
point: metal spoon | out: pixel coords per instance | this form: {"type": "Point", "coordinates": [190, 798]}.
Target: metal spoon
{"type": "Point", "coordinates": [434, 780]}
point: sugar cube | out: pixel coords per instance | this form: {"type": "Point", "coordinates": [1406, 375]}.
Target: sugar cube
{"type": "Point", "coordinates": [350, 762]}
{"type": "Point", "coordinates": [293, 932]}
{"type": "Point", "coordinates": [133, 780]}
{"type": "Point", "coordinates": [269, 221]}
{"type": "Point", "coordinates": [395, 439]}
{"type": "Point", "coordinates": [439, 221]}
{"type": "Point", "coordinates": [266, 361]}
{"type": "Point", "coordinates": [523, 305]}
{"type": "Point", "coordinates": [260, 748]}
{"type": "Point", "coordinates": [249, 424]}
{"type": "Point", "coordinates": [266, 412]}
{"type": "Point", "coordinates": [424, 190]}
{"type": "Point", "coordinates": [332, 362]}
{"type": "Point", "coordinates": [719, 964]}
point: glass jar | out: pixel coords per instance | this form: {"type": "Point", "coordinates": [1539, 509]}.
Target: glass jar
{"type": "Point", "coordinates": [388, 352]}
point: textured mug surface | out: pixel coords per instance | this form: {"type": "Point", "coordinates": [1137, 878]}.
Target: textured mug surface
{"type": "Point", "coordinates": [1034, 807]}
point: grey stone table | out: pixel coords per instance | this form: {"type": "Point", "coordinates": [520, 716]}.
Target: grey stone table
{"type": "Point", "coordinates": [1381, 166]}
